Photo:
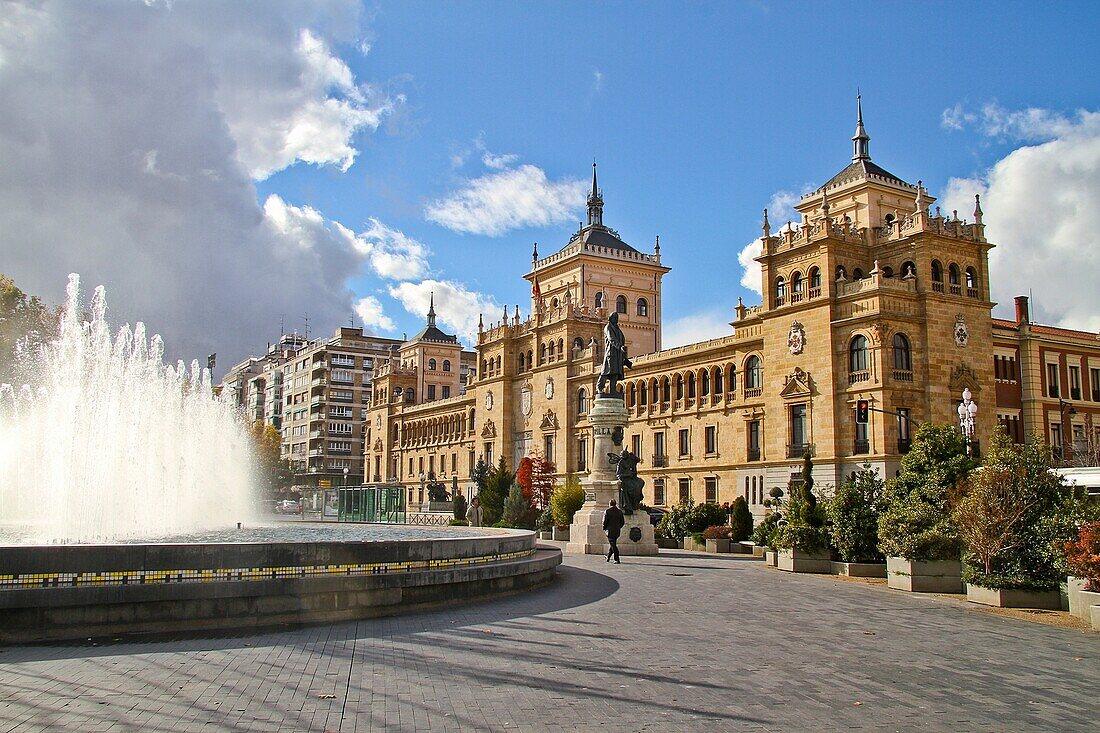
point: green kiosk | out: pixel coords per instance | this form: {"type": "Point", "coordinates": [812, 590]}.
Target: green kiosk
{"type": "Point", "coordinates": [379, 504]}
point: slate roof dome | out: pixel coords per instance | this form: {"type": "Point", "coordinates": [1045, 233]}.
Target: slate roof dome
{"type": "Point", "coordinates": [431, 332]}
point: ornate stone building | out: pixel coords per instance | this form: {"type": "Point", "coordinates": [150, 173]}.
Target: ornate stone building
{"type": "Point", "coordinates": [876, 295]}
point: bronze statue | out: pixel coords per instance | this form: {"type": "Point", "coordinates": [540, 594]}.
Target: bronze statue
{"type": "Point", "coordinates": [630, 486]}
{"type": "Point", "coordinates": [614, 357]}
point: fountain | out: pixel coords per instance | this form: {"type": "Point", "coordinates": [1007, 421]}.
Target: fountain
{"type": "Point", "coordinates": [107, 443]}
{"type": "Point", "coordinates": [123, 487]}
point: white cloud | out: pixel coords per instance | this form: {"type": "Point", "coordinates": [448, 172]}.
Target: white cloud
{"type": "Point", "coordinates": [1038, 204]}
{"type": "Point", "coordinates": [498, 162]}
{"type": "Point", "coordinates": [369, 310]}
{"type": "Point", "coordinates": [708, 324]}
{"type": "Point", "coordinates": [122, 136]}
{"type": "Point", "coordinates": [751, 272]}
{"type": "Point", "coordinates": [514, 198]}
{"type": "Point", "coordinates": [781, 212]}
{"type": "Point", "coordinates": [393, 254]}
{"type": "Point", "coordinates": [1031, 125]}
{"type": "Point", "coordinates": [456, 307]}
{"type": "Point", "coordinates": [597, 80]}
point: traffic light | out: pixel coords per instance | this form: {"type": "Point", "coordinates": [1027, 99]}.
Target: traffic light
{"type": "Point", "coordinates": [863, 411]}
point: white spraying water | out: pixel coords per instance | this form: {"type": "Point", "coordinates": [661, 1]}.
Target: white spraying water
{"type": "Point", "coordinates": [106, 442]}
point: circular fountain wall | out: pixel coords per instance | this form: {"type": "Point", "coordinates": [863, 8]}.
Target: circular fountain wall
{"type": "Point", "coordinates": [288, 575]}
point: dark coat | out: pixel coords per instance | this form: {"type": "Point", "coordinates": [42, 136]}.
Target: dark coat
{"type": "Point", "coordinates": [613, 521]}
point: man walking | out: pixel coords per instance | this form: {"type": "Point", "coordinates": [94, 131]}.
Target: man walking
{"type": "Point", "coordinates": [613, 521]}
{"type": "Point", "coordinates": [475, 514]}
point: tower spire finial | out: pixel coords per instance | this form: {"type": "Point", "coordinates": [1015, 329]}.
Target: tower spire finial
{"type": "Point", "coordinates": [861, 140]}
{"type": "Point", "coordinates": [767, 228]}
{"type": "Point", "coordinates": [431, 309]}
{"type": "Point", "coordinates": [595, 201]}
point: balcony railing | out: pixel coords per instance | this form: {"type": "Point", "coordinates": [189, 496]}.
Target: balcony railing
{"type": "Point", "coordinates": [861, 447]}
{"type": "Point", "coordinates": [797, 450]}
{"type": "Point", "coordinates": [659, 462]}
{"type": "Point", "coordinates": [862, 375]}
{"type": "Point", "coordinates": [815, 292]}
{"type": "Point", "coordinates": [937, 286]}
{"type": "Point", "coordinates": [972, 292]}
{"type": "Point", "coordinates": [753, 392]}
{"type": "Point", "coordinates": [903, 375]}
{"type": "Point", "coordinates": [955, 289]}
{"type": "Point", "coordinates": [754, 454]}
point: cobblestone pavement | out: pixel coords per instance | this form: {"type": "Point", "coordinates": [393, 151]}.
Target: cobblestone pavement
{"type": "Point", "coordinates": [679, 642]}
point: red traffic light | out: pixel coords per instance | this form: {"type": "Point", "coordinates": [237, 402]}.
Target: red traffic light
{"type": "Point", "coordinates": [863, 411]}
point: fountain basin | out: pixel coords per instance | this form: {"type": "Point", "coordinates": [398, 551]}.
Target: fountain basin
{"type": "Point", "coordinates": [58, 592]}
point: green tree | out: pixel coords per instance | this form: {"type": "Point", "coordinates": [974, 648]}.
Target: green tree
{"type": "Point", "coordinates": [676, 524]}
{"type": "Point", "coordinates": [740, 520]}
{"type": "Point", "coordinates": [916, 520]}
{"type": "Point", "coordinates": [458, 506]}
{"type": "Point", "coordinates": [23, 319]}
{"type": "Point", "coordinates": [516, 508]}
{"type": "Point", "coordinates": [497, 485]}
{"type": "Point", "coordinates": [275, 473]}
{"type": "Point", "coordinates": [1010, 515]}
{"type": "Point", "coordinates": [853, 517]}
{"type": "Point", "coordinates": [565, 500]}
{"type": "Point", "coordinates": [480, 475]}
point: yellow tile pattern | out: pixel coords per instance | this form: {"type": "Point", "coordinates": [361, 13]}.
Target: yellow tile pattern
{"type": "Point", "coordinates": [155, 577]}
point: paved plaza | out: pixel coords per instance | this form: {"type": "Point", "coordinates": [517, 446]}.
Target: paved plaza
{"type": "Point", "coordinates": [679, 642]}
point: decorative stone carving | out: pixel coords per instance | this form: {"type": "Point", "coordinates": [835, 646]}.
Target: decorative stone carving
{"type": "Point", "coordinates": [879, 332]}
{"type": "Point", "coordinates": [378, 444]}
{"type": "Point", "coordinates": [797, 384]}
{"type": "Point", "coordinates": [490, 430]}
{"type": "Point", "coordinates": [796, 338]}
{"type": "Point", "coordinates": [489, 400]}
{"type": "Point", "coordinates": [525, 399]}
{"type": "Point", "coordinates": [549, 389]}
{"type": "Point", "coordinates": [961, 332]}
{"type": "Point", "coordinates": [549, 421]}
{"type": "Point", "coordinates": [963, 377]}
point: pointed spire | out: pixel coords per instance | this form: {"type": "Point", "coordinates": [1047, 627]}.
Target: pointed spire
{"type": "Point", "coordinates": [595, 202]}
{"type": "Point", "coordinates": [767, 228]}
{"type": "Point", "coordinates": [977, 209]}
{"type": "Point", "coordinates": [431, 310]}
{"type": "Point", "coordinates": [480, 322]}
{"type": "Point", "coordinates": [535, 253]}
{"type": "Point", "coordinates": [921, 203]}
{"type": "Point", "coordinates": [825, 203]}
{"type": "Point", "coordinates": [861, 140]}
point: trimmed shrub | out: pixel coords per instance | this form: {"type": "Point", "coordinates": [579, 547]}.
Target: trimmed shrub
{"type": "Point", "coordinates": [1083, 555]}
{"type": "Point", "coordinates": [740, 520]}
{"type": "Point", "coordinates": [853, 517]}
{"type": "Point", "coordinates": [916, 522]}
{"type": "Point", "coordinates": [674, 524]}
{"type": "Point", "coordinates": [565, 500]}
{"type": "Point", "coordinates": [706, 515]}
{"type": "Point", "coordinates": [545, 521]}
{"type": "Point", "coordinates": [458, 523]}
{"type": "Point", "coordinates": [459, 507]}
{"type": "Point", "coordinates": [717, 532]}
{"type": "Point", "coordinates": [516, 509]}
{"type": "Point", "coordinates": [764, 534]}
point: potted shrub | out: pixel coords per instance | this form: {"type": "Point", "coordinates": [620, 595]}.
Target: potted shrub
{"type": "Point", "coordinates": [740, 523]}
{"type": "Point", "coordinates": [1083, 560]}
{"type": "Point", "coordinates": [674, 524]}
{"type": "Point", "coordinates": [1008, 517]}
{"type": "Point", "coordinates": [801, 539]}
{"type": "Point", "coordinates": [853, 526]}
{"type": "Point", "coordinates": [544, 524]}
{"type": "Point", "coordinates": [565, 500]}
{"type": "Point", "coordinates": [915, 528]}
{"type": "Point", "coordinates": [717, 538]}
{"type": "Point", "coordinates": [764, 536]}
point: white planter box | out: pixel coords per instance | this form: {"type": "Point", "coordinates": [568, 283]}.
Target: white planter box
{"type": "Point", "coordinates": [800, 561]}
{"type": "Point", "coordinates": [690, 544]}
{"type": "Point", "coordinates": [722, 546]}
{"type": "Point", "coordinates": [859, 569]}
{"type": "Point", "coordinates": [1095, 617]}
{"type": "Point", "coordinates": [1012, 598]}
{"type": "Point", "coordinates": [770, 558]}
{"type": "Point", "coordinates": [940, 576]}
{"type": "Point", "coordinates": [1081, 604]}
{"type": "Point", "coordinates": [560, 533]}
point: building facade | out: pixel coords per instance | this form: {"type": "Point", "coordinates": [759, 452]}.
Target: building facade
{"type": "Point", "coordinates": [875, 295]}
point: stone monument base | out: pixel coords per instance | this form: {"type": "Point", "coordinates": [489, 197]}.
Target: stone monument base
{"type": "Point", "coordinates": [586, 535]}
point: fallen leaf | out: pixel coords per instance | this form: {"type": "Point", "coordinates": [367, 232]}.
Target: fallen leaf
{"type": "Point", "coordinates": [868, 633]}
{"type": "Point", "coordinates": [858, 703]}
{"type": "Point", "coordinates": [327, 697]}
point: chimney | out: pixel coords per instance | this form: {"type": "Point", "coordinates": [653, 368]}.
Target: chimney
{"type": "Point", "coordinates": [1021, 310]}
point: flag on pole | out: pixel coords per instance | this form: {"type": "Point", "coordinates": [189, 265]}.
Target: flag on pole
{"type": "Point", "coordinates": [535, 292]}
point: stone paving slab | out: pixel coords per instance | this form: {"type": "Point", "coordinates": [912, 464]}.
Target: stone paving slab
{"type": "Point", "coordinates": [677, 642]}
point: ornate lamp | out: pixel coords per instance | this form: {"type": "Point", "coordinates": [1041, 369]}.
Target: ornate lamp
{"type": "Point", "coordinates": [968, 415]}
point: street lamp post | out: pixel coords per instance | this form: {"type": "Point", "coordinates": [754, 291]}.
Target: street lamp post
{"type": "Point", "coordinates": [968, 415]}
{"type": "Point", "coordinates": [1064, 409]}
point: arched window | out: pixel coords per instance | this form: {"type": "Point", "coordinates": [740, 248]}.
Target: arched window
{"type": "Point", "coordinates": [599, 300]}
{"type": "Point", "coordinates": [679, 386]}
{"type": "Point", "coordinates": [567, 298]}
{"type": "Point", "coordinates": [578, 343]}
{"type": "Point", "coordinates": [953, 274]}
{"type": "Point", "coordinates": [431, 364]}
{"type": "Point", "coordinates": [484, 367]}
{"type": "Point", "coordinates": [704, 383]}
{"type": "Point", "coordinates": [554, 303]}
{"type": "Point", "coordinates": [620, 304]}
{"type": "Point", "coordinates": [718, 380]}
{"type": "Point", "coordinates": [887, 271]}
{"type": "Point", "coordinates": [666, 390]}
{"type": "Point", "coordinates": [841, 273]}
{"type": "Point", "coordinates": [633, 395]}
{"type": "Point", "coordinates": [857, 274]}
{"type": "Point", "coordinates": [971, 279]}
{"type": "Point", "coordinates": [937, 271]}
{"type": "Point", "coordinates": [780, 290]}
{"type": "Point", "coordinates": [643, 393]}
{"type": "Point", "coordinates": [815, 278]}
{"type": "Point", "coordinates": [753, 373]}
{"type": "Point", "coordinates": [643, 307]}
{"type": "Point", "coordinates": [582, 401]}
{"type": "Point", "coordinates": [655, 396]}
{"type": "Point", "coordinates": [561, 348]}
{"type": "Point", "coordinates": [522, 360]}
{"type": "Point", "coordinates": [542, 354]}
{"type": "Point", "coordinates": [446, 365]}
{"type": "Point", "coordinates": [796, 283]}
{"type": "Point", "coordinates": [902, 357]}
{"type": "Point", "coordinates": [691, 384]}
{"type": "Point", "coordinates": [410, 395]}
{"type": "Point", "coordinates": [908, 270]}
{"type": "Point", "coordinates": [889, 220]}
{"type": "Point", "coordinates": [857, 354]}
{"type": "Point", "coordinates": [498, 362]}
{"type": "Point", "coordinates": [551, 346]}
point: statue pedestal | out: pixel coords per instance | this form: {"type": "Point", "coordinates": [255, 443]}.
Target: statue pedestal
{"type": "Point", "coordinates": [586, 535]}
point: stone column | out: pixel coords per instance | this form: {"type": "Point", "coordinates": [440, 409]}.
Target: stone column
{"type": "Point", "coordinates": [586, 535]}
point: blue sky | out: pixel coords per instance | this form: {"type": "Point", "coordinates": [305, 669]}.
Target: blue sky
{"type": "Point", "coordinates": [700, 114]}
